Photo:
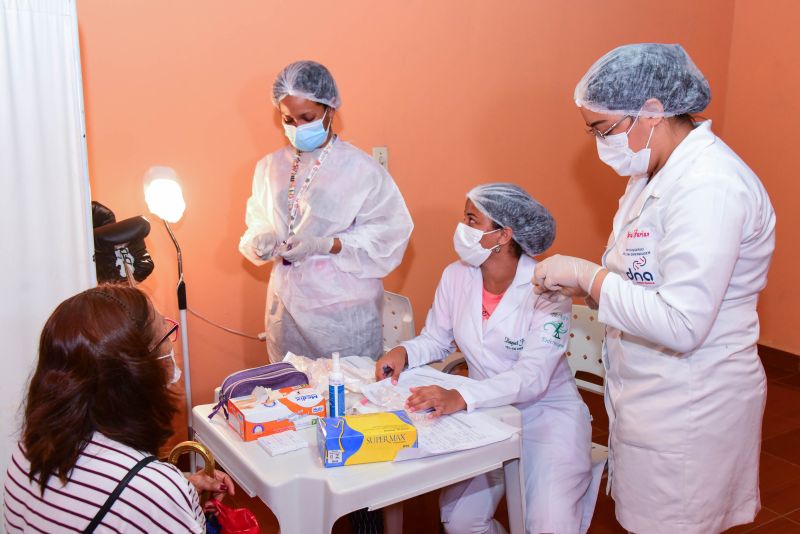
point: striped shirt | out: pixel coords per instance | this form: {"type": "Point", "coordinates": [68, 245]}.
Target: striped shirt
{"type": "Point", "coordinates": [158, 499]}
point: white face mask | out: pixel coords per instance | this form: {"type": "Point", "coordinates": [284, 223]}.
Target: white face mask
{"type": "Point", "coordinates": [176, 371]}
{"type": "Point", "coordinates": [467, 242]}
{"type": "Point", "coordinates": [615, 152]}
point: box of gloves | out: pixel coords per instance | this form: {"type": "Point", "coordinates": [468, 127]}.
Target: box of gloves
{"type": "Point", "coordinates": [267, 411]}
{"type": "Point", "coordinates": [365, 438]}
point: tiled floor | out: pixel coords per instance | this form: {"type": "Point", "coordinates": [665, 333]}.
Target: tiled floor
{"type": "Point", "coordinates": [780, 466]}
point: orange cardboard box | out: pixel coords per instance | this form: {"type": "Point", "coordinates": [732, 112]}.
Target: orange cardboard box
{"type": "Point", "coordinates": [290, 408]}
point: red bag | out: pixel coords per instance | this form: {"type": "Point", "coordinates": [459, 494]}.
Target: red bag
{"type": "Point", "coordinates": [236, 520]}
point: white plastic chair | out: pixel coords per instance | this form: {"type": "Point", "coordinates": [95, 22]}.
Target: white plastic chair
{"type": "Point", "coordinates": [585, 347]}
{"type": "Point", "coordinates": [398, 319]}
{"type": "Point", "coordinates": [585, 353]}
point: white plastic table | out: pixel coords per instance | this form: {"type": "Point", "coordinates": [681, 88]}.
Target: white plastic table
{"type": "Point", "coordinates": [308, 498]}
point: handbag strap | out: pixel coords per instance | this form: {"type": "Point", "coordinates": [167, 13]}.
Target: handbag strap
{"type": "Point", "coordinates": [116, 493]}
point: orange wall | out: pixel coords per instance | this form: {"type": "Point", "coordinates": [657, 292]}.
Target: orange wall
{"type": "Point", "coordinates": [761, 121]}
{"type": "Point", "coordinates": [461, 92]}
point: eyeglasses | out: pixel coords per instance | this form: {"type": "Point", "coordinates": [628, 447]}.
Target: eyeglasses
{"type": "Point", "coordinates": [172, 333]}
{"type": "Point", "coordinates": [602, 135]}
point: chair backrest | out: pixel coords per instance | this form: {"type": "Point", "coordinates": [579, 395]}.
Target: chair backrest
{"type": "Point", "coordinates": [398, 319]}
{"type": "Point", "coordinates": [585, 347]}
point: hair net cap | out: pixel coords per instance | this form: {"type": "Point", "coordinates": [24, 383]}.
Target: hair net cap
{"type": "Point", "coordinates": [510, 205]}
{"type": "Point", "coordinates": [624, 79]}
{"type": "Point", "coordinates": [309, 80]}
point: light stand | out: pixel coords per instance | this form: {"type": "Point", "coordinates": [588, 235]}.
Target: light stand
{"type": "Point", "coordinates": [164, 197]}
{"type": "Point", "coordinates": [184, 334]}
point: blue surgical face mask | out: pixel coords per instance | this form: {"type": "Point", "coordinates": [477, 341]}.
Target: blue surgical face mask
{"type": "Point", "coordinates": [308, 136]}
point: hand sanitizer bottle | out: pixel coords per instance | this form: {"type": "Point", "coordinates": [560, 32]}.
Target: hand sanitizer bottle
{"type": "Point", "coordinates": [336, 389]}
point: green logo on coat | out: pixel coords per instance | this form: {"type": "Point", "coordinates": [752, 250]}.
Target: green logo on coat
{"type": "Point", "coordinates": [557, 327]}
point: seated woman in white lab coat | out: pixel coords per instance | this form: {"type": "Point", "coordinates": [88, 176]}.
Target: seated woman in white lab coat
{"type": "Point", "coordinates": [514, 342]}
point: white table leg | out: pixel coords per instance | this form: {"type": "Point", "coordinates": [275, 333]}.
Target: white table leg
{"type": "Point", "coordinates": [308, 511]}
{"type": "Point", "coordinates": [515, 499]}
{"type": "Point", "coordinates": [306, 523]}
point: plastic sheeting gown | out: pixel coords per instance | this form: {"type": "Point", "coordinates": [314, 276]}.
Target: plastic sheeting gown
{"type": "Point", "coordinates": [329, 302]}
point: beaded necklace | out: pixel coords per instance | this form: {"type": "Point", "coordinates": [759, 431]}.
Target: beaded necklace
{"type": "Point", "coordinates": [294, 199]}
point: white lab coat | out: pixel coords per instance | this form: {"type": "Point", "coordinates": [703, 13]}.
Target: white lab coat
{"type": "Point", "coordinates": [333, 302]}
{"type": "Point", "coordinates": [685, 389]}
{"type": "Point", "coordinates": [518, 358]}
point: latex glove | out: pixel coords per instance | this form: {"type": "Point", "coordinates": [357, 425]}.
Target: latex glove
{"type": "Point", "coordinates": [565, 274]}
{"type": "Point", "coordinates": [298, 248]}
{"type": "Point", "coordinates": [263, 245]}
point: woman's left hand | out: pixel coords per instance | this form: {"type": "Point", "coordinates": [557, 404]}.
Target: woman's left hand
{"type": "Point", "coordinates": [219, 486]}
{"type": "Point", "coordinates": [441, 401]}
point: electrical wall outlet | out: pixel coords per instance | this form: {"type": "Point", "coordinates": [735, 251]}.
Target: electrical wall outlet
{"type": "Point", "coordinates": [381, 155]}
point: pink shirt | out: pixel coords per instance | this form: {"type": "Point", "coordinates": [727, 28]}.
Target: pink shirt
{"type": "Point", "coordinates": [490, 302]}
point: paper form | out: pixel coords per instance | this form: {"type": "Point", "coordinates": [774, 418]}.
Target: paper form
{"type": "Point", "coordinates": [385, 394]}
{"type": "Point", "coordinates": [447, 433]}
{"type": "Point", "coordinates": [456, 432]}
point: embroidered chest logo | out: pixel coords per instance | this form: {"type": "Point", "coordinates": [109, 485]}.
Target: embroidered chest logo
{"type": "Point", "coordinates": [638, 274]}
{"type": "Point", "coordinates": [636, 233]}
{"type": "Point", "coordinates": [514, 344]}
{"type": "Point", "coordinates": [639, 253]}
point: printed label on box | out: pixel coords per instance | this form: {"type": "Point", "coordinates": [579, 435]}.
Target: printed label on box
{"type": "Point", "coordinates": [360, 439]}
{"type": "Point", "coordinates": [290, 408]}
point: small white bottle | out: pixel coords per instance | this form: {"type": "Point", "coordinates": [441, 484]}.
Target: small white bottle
{"type": "Point", "coordinates": [336, 389]}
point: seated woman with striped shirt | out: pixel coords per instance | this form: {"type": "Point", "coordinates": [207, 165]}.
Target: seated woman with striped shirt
{"type": "Point", "coordinates": [101, 400]}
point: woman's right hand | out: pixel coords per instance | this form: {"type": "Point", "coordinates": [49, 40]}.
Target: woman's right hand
{"type": "Point", "coordinates": [391, 364]}
{"type": "Point", "coordinates": [567, 275]}
{"type": "Point", "coordinates": [263, 245]}
{"type": "Point", "coordinates": [219, 485]}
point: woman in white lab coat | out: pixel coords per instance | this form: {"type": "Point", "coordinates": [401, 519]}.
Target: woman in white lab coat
{"type": "Point", "coordinates": [514, 342]}
{"type": "Point", "coordinates": [332, 221]}
{"type": "Point", "coordinates": [678, 286]}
